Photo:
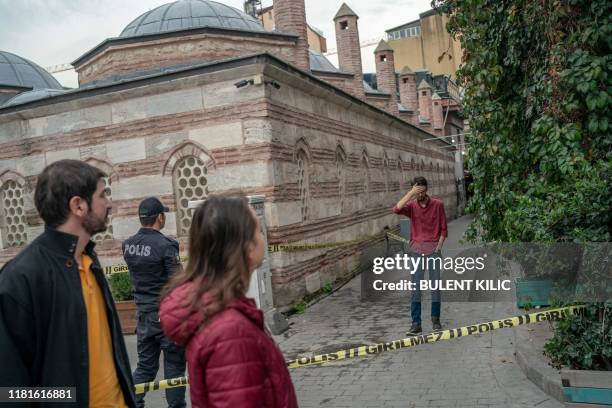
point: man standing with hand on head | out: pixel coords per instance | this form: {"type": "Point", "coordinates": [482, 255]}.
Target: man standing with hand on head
{"type": "Point", "coordinates": [427, 234]}
{"type": "Point", "coordinates": [152, 258]}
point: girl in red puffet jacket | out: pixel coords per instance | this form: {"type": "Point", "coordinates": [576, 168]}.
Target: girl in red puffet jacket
{"type": "Point", "coordinates": [233, 362]}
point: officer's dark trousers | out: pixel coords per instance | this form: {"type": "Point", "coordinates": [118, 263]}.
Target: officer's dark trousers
{"type": "Point", "coordinates": [151, 341]}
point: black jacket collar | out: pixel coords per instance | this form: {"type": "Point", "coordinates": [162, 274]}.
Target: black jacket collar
{"type": "Point", "coordinates": [63, 243]}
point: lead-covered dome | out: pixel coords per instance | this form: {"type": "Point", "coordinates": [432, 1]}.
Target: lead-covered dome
{"type": "Point", "coordinates": [16, 71]}
{"type": "Point", "coordinates": [185, 14]}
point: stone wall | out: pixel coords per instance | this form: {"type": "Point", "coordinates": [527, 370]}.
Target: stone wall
{"type": "Point", "coordinates": [121, 59]}
{"type": "Point", "coordinates": [358, 160]}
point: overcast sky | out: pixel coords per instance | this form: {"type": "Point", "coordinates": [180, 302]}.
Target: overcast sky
{"type": "Point", "coordinates": [51, 32]}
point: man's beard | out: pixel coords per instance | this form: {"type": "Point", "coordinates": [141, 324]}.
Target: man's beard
{"type": "Point", "coordinates": [94, 225]}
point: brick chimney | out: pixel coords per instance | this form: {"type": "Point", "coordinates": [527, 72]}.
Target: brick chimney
{"type": "Point", "coordinates": [438, 117]}
{"type": "Point", "coordinates": [385, 73]}
{"type": "Point", "coordinates": [408, 91]}
{"type": "Point", "coordinates": [347, 44]}
{"type": "Point", "coordinates": [290, 17]}
{"type": "Point", "coordinates": [424, 90]}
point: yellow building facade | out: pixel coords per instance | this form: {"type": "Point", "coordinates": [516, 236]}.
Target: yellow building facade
{"type": "Point", "coordinates": [425, 44]}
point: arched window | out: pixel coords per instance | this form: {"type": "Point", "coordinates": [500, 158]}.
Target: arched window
{"type": "Point", "coordinates": [13, 231]}
{"type": "Point", "coordinates": [303, 182]}
{"type": "Point", "coordinates": [108, 234]}
{"type": "Point", "coordinates": [190, 183]}
{"type": "Point", "coordinates": [341, 175]}
{"type": "Point", "coordinates": [387, 174]}
{"type": "Point", "coordinates": [400, 174]}
{"type": "Point", "coordinates": [365, 178]}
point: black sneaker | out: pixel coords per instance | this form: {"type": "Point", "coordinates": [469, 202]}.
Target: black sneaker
{"type": "Point", "coordinates": [436, 323]}
{"type": "Point", "coordinates": [414, 329]}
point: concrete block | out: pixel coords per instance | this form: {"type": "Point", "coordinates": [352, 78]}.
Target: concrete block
{"type": "Point", "coordinates": [241, 176]}
{"type": "Point", "coordinates": [283, 132]}
{"type": "Point", "coordinates": [184, 100]}
{"type": "Point", "coordinates": [31, 165]}
{"type": "Point", "coordinates": [68, 121]}
{"type": "Point", "coordinates": [157, 144]}
{"type": "Point", "coordinates": [96, 151]}
{"type": "Point", "coordinates": [324, 207]}
{"type": "Point", "coordinates": [142, 186]}
{"type": "Point", "coordinates": [286, 213]}
{"type": "Point", "coordinates": [218, 136]}
{"type": "Point", "coordinates": [226, 93]}
{"type": "Point", "coordinates": [8, 164]}
{"type": "Point", "coordinates": [303, 101]}
{"type": "Point", "coordinates": [126, 150]}
{"type": "Point", "coordinates": [285, 95]}
{"type": "Point", "coordinates": [125, 227]}
{"type": "Point", "coordinates": [257, 131]}
{"type": "Point", "coordinates": [54, 156]}
{"type": "Point", "coordinates": [10, 131]}
{"type": "Point", "coordinates": [313, 282]}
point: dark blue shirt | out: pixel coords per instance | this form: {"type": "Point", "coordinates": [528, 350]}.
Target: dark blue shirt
{"type": "Point", "coordinates": [152, 258]}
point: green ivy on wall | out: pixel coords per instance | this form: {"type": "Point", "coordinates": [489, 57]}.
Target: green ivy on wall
{"type": "Point", "coordinates": [538, 91]}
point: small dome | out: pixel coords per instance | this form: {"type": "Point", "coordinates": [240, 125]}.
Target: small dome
{"type": "Point", "coordinates": [185, 14]}
{"type": "Point", "coordinates": [20, 72]}
{"type": "Point", "coordinates": [30, 96]}
{"type": "Point", "coordinates": [318, 62]}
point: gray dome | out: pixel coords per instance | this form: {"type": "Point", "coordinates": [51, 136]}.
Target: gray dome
{"type": "Point", "coordinates": [318, 62]}
{"type": "Point", "coordinates": [185, 14]}
{"type": "Point", "coordinates": [20, 72]}
{"type": "Point", "coordinates": [30, 96]}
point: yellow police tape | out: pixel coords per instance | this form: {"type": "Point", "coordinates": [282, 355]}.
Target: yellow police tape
{"type": "Point", "coordinates": [366, 350]}
{"type": "Point", "coordinates": [122, 267]}
{"type": "Point", "coordinates": [306, 247]}
{"type": "Point", "coordinates": [398, 238]}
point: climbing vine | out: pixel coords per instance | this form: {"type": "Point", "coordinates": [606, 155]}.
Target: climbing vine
{"type": "Point", "coordinates": [538, 91]}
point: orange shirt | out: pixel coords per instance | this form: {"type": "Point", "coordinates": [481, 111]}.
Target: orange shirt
{"type": "Point", "coordinates": [104, 389]}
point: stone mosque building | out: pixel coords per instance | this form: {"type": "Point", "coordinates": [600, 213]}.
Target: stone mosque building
{"type": "Point", "coordinates": [195, 97]}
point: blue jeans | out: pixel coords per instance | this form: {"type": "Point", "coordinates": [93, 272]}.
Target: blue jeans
{"type": "Point", "coordinates": [434, 274]}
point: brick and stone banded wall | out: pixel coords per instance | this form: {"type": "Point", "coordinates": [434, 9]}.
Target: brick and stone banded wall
{"type": "Point", "coordinates": [343, 205]}
{"type": "Point", "coordinates": [126, 58]}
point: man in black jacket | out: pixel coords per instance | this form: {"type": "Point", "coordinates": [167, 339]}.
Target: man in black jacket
{"type": "Point", "coordinates": [58, 323]}
{"type": "Point", "coordinates": [152, 258]}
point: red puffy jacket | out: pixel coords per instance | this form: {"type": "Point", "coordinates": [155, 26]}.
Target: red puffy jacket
{"type": "Point", "coordinates": [232, 361]}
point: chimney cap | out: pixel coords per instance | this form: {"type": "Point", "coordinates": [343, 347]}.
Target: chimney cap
{"type": "Point", "coordinates": [406, 71]}
{"type": "Point", "coordinates": [383, 46]}
{"type": "Point", "coordinates": [424, 85]}
{"type": "Point", "coordinates": [345, 11]}
{"type": "Point", "coordinates": [435, 96]}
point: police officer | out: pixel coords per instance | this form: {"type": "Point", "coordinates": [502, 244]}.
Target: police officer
{"type": "Point", "coordinates": [152, 258]}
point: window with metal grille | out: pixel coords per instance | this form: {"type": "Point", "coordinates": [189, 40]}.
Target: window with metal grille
{"type": "Point", "coordinates": [108, 234]}
{"type": "Point", "coordinates": [190, 183]}
{"type": "Point", "coordinates": [387, 175]}
{"type": "Point", "coordinates": [341, 172]}
{"type": "Point", "coordinates": [303, 183]}
{"type": "Point", "coordinates": [365, 177]}
{"type": "Point", "coordinates": [14, 220]}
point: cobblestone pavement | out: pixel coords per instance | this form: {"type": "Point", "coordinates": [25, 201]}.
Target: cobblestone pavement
{"type": "Point", "coordinates": [476, 371]}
